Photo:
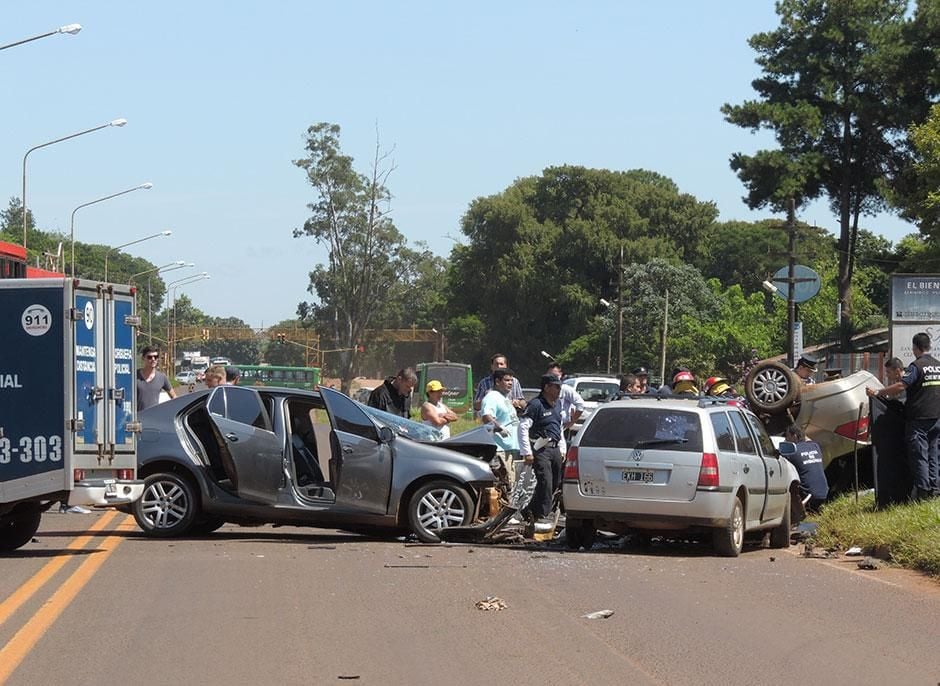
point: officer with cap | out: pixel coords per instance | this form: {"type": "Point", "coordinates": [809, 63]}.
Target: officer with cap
{"type": "Point", "coordinates": [805, 369]}
{"type": "Point", "coordinates": [539, 436]}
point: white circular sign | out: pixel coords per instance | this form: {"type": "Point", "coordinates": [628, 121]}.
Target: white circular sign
{"type": "Point", "coordinates": [89, 315]}
{"type": "Point", "coordinates": [36, 320]}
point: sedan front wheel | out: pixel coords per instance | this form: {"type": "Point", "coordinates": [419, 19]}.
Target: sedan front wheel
{"type": "Point", "coordinates": [168, 506]}
{"type": "Point", "coordinates": [438, 505]}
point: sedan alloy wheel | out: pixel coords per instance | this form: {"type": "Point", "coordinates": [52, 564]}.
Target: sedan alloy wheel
{"type": "Point", "coordinates": [438, 505]}
{"type": "Point", "coordinates": [167, 507]}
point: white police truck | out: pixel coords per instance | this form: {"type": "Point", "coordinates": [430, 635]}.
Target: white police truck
{"type": "Point", "coordinates": [68, 410]}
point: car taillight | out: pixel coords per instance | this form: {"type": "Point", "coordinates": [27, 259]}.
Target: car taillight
{"type": "Point", "coordinates": [854, 430]}
{"type": "Point", "coordinates": [125, 474]}
{"type": "Point", "coordinates": [78, 475]}
{"type": "Point", "coordinates": [708, 474]}
{"type": "Point", "coordinates": [571, 464]}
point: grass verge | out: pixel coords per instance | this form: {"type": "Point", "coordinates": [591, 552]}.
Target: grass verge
{"type": "Point", "coordinates": [908, 535]}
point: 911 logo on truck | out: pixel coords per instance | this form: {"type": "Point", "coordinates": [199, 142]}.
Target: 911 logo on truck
{"type": "Point", "coordinates": [36, 320]}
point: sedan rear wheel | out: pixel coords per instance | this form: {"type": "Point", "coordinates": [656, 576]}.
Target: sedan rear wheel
{"type": "Point", "coordinates": [729, 539]}
{"type": "Point", "coordinates": [438, 505]}
{"type": "Point", "coordinates": [168, 506]}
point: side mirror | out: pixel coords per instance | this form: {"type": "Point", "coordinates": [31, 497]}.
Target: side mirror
{"type": "Point", "coordinates": [386, 435]}
{"type": "Point", "coordinates": [786, 448]}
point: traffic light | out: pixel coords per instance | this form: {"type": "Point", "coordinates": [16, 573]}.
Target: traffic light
{"type": "Point", "coordinates": [205, 334]}
{"type": "Point", "coordinates": [280, 339]}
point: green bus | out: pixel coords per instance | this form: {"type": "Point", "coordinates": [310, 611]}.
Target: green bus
{"type": "Point", "coordinates": [273, 375]}
{"type": "Point", "coordinates": [457, 379]}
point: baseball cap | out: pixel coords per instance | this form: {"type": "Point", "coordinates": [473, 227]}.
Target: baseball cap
{"type": "Point", "coordinates": [641, 371]}
{"type": "Point", "coordinates": [434, 385]}
{"type": "Point", "coordinates": [551, 378]}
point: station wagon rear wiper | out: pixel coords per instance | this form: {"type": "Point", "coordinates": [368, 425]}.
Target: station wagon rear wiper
{"type": "Point", "coordinates": [660, 441]}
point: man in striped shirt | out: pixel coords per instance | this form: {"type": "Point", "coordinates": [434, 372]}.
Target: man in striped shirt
{"type": "Point", "coordinates": [498, 361]}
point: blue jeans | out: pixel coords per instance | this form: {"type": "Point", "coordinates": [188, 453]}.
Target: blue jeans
{"type": "Point", "coordinates": [923, 453]}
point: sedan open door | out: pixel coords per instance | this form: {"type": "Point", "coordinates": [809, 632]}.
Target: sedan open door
{"type": "Point", "coordinates": [252, 454]}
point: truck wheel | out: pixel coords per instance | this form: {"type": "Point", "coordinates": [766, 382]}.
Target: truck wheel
{"type": "Point", "coordinates": [780, 534]}
{"type": "Point", "coordinates": [438, 505]}
{"type": "Point", "coordinates": [18, 528]}
{"type": "Point", "coordinates": [771, 387]}
{"type": "Point", "coordinates": [168, 506]}
{"type": "Point", "coordinates": [729, 539]}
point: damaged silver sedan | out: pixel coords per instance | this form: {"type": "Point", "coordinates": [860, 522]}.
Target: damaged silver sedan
{"type": "Point", "coordinates": [305, 458]}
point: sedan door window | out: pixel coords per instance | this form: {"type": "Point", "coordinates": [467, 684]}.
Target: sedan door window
{"type": "Point", "coordinates": [348, 417]}
{"type": "Point", "coordinates": [242, 405]}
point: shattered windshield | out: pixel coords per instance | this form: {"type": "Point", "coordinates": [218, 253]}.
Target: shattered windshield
{"type": "Point", "coordinates": [403, 427]}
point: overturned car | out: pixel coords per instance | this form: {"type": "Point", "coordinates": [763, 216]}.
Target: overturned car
{"type": "Point", "coordinates": [833, 413]}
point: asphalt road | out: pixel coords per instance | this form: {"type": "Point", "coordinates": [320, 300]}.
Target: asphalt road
{"type": "Point", "coordinates": [302, 606]}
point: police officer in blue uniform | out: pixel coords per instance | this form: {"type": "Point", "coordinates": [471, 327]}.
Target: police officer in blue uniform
{"type": "Point", "coordinates": [809, 465]}
{"type": "Point", "coordinates": [921, 381]}
{"type": "Point", "coordinates": [539, 435]}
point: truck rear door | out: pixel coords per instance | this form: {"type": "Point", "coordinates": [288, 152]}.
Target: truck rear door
{"type": "Point", "coordinates": [32, 388]}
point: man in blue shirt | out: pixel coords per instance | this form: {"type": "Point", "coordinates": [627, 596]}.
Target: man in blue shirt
{"type": "Point", "coordinates": [539, 436]}
{"type": "Point", "coordinates": [809, 465]}
{"type": "Point", "coordinates": [496, 409]}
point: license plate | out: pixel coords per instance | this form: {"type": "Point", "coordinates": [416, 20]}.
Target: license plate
{"type": "Point", "coordinates": [644, 476]}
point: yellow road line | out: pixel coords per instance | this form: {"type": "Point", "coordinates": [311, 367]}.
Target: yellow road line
{"type": "Point", "coordinates": [14, 652]}
{"type": "Point", "coordinates": [38, 580]}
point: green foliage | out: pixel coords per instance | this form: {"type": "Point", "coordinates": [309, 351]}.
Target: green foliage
{"type": "Point", "coordinates": [909, 534]}
{"type": "Point", "coordinates": [841, 82]}
{"type": "Point", "coordinates": [746, 253]}
{"type": "Point", "coordinates": [919, 198]}
{"type": "Point", "coordinates": [549, 247]}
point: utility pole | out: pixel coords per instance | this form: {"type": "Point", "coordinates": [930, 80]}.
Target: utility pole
{"type": "Point", "coordinates": [791, 281]}
{"type": "Point", "coordinates": [620, 316]}
{"type": "Point", "coordinates": [662, 356]}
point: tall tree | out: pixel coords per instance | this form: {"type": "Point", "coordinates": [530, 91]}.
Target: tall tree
{"type": "Point", "coordinates": [367, 254]}
{"type": "Point", "coordinates": [549, 247]}
{"type": "Point", "coordinates": [840, 85]}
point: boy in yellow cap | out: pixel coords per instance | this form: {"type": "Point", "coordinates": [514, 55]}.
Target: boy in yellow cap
{"type": "Point", "coordinates": [434, 412]}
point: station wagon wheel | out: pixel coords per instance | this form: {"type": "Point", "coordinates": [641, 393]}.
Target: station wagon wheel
{"type": "Point", "coordinates": [168, 506]}
{"type": "Point", "coordinates": [438, 505]}
{"type": "Point", "coordinates": [729, 539]}
{"type": "Point", "coordinates": [771, 387]}
{"type": "Point", "coordinates": [579, 533]}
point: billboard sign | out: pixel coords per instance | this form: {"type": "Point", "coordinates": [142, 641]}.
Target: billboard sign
{"type": "Point", "coordinates": [915, 298]}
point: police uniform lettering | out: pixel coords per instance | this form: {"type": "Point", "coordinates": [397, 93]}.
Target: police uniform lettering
{"type": "Point", "coordinates": [922, 379]}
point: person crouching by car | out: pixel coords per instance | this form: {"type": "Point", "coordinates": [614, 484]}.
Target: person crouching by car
{"type": "Point", "coordinates": [809, 465]}
{"type": "Point", "coordinates": [539, 436]}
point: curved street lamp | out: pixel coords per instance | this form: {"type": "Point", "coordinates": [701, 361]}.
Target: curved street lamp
{"type": "Point", "coordinates": [70, 29]}
{"type": "Point", "coordinates": [113, 122]}
{"type": "Point", "coordinates": [139, 240]}
{"type": "Point", "coordinates": [171, 287]}
{"type": "Point", "coordinates": [170, 266]}
{"type": "Point", "coordinates": [144, 186]}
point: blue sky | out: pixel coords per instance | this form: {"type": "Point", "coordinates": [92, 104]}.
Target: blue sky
{"type": "Point", "coordinates": [470, 97]}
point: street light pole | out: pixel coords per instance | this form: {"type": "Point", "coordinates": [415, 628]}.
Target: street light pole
{"type": "Point", "coordinates": [113, 122]}
{"type": "Point", "coordinates": [171, 288]}
{"type": "Point", "coordinates": [144, 186]}
{"type": "Point", "coordinates": [70, 29]}
{"type": "Point", "coordinates": [139, 240]}
{"type": "Point", "coordinates": [179, 264]}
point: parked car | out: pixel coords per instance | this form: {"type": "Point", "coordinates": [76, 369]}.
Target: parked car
{"type": "Point", "coordinates": [187, 377]}
{"type": "Point", "coordinates": [253, 455]}
{"type": "Point", "coordinates": [677, 465]}
{"type": "Point", "coordinates": [529, 393]}
{"type": "Point", "coordinates": [593, 390]}
{"type": "Point", "coordinates": [362, 394]}
{"type": "Point", "coordinates": [832, 413]}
